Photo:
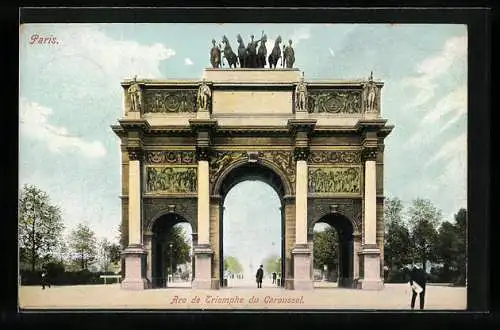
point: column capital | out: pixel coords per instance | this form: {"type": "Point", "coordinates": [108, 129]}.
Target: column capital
{"type": "Point", "coordinates": [135, 153]}
{"type": "Point", "coordinates": [370, 153]}
{"type": "Point", "coordinates": [203, 153]}
{"type": "Point", "coordinates": [301, 153]}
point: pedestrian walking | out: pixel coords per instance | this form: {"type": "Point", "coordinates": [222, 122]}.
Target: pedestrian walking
{"type": "Point", "coordinates": [418, 280]}
{"type": "Point", "coordinates": [274, 277]}
{"type": "Point", "coordinates": [45, 280]}
{"type": "Point", "coordinates": [259, 276]}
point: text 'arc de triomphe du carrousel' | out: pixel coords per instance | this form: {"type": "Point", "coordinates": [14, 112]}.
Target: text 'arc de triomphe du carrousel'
{"type": "Point", "coordinates": [319, 144]}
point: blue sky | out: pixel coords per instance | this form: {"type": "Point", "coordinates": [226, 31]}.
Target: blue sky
{"type": "Point", "coordinates": [70, 94]}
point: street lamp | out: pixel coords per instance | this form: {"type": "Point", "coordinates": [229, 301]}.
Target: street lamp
{"type": "Point", "coordinates": [171, 263]}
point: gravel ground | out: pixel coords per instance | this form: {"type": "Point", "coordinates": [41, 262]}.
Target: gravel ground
{"type": "Point", "coordinates": [111, 296]}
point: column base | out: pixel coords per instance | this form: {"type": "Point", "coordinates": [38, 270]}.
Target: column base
{"type": "Point", "coordinates": [371, 279]}
{"type": "Point", "coordinates": [302, 267]}
{"type": "Point", "coordinates": [203, 266]}
{"type": "Point", "coordinates": [134, 268]}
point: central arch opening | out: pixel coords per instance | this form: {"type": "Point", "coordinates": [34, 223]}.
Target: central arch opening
{"type": "Point", "coordinates": [333, 251]}
{"type": "Point", "coordinates": [251, 227]}
{"type": "Point", "coordinates": [171, 255]}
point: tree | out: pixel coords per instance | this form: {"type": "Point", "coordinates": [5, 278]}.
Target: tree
{"type": "Point", "coordinates": [325, 249]}
{"type": "Point", "coordinates": [104, 257]}
{"type": "Point", "coordinates": [398, 246]}
{"type": "Point", "coordinates": [397, 243]}
{"type": "Point", "coordinates": [114, 253]}
{"type": "Point", "coordinates": [393, 209]}
{"type": "Point", "coordinates": [461, 228]}
{"type": "Point", "coordinates": [232, 265]}
{"type": "Point", "coordinates": [424, 218]}
{"type": "Point", "coordinates": [83, 243]}
{"type": "Point", "coordinates": [272, 264]}
{"type": "Point", "coordinates": [109, 253]}
{"type": "Point", "coordinates": [179, 253]}
{"type": "Point", "coordinates": [40, 225]}
{"type": "Point", "coordinates": [423, 210]}
{"type": "Point", "coordinates": [447, 248]}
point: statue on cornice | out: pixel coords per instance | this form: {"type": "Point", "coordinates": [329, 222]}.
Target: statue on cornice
{"type": "Point", "coordinates": [215, 53]}
{"type": "Point", "coordinates": [288, 56]}
{"type": "Point", "coordinates": [301, 95]}
{"type": "Point", "coordinates": [134, 92]}
{"type": "Point", "coordinates": [204, 96]}
{"type": "Point", "coordinates": [370, 94]}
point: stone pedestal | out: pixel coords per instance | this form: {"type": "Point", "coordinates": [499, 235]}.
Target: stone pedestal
{"type": "Point", "coordinates": [135, 279]}
{"type": "Point", "coordinates": [203, 267]}
{"type": "Point", "coordinates": [371, 260]}
{"type": "Point", "coordinates": [302, 258]}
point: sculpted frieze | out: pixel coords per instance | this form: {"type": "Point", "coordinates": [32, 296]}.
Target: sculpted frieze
{"type": "Point", "coordinates": [171, 180]}
{"type": "Point", "coordinates": [343, 179]}
{"type": "Point", "coordinates": [222, 159]}
{"type": "Point", "coordinates": [335, 157]}
{"type": "Point", "coordinates": [170, 100]}
{"type": "Point", "coordinates": [281, 159]}
{"type": "Point", "coordinates": [171, 157]}
{"type": "Point", "coordinates": [334, 101]}
{"type": "Point", "coordinates": [284, 160]}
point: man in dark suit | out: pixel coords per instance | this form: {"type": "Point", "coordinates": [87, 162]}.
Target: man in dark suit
{"type": "Point", "coordinates": [418, 276]}
{"type": "Point", "coordinates": [259, 276]}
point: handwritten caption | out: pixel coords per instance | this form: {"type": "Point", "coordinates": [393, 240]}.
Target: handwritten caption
{"type": "Point", "coordinates": [36, 39]}
{"type": "Point", "coordinates": [236, 300]}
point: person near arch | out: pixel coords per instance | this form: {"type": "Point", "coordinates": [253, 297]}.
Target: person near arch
{"type": "Point", "coordinates": [259, 276]}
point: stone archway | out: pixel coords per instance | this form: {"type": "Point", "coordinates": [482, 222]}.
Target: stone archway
{"type": "Point", "coordinates": [161, 256]}
{"type": "Point", "coordinates": [178, 154]}
{"type": "Point", "coordinates": [346, 247]}
{"type": "Point", "coordinates": [256, 169]}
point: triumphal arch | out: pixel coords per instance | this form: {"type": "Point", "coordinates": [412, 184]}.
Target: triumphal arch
{"type": "Point", "coordinates": [319, 144]}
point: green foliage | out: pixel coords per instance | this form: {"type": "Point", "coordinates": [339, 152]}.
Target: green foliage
{"type": "Point", "coordinates": [108, 253]}
{"type": "Point", "coordinates": [424, 219]}
{"type": "Point", "coordinates": [232, 264]}
{"type": "Point", "coordinates": [179, 253]}
{"type": "Point", "coordinates": [423, 210]}
{"type": "Point", "coordinates": [83, 244]}
{"type": "Point", "coordinates": [398, 246]}
{"type": "Point", "coordinates": [393, 211]}
{"type": "Point", "coordinates": [451, 248]}
{"type": "Point", "coordinates": [325, 249]}
{"type": "Point", "coordinates": [426, 238]}
{"type": "Point", "coordinates": [272, 264]}
{"type": "Point", "coordinates": [40, 225]}
{"type": "Point", "coordinates": [114, 252]}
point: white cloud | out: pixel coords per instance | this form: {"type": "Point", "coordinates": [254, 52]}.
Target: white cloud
{"type": "Point", "coordinates": [453, 149]}
{"type": "Point", "coordinates": [302, 33]}
{"type": "Point", "coordinates": [188, 61]}
{"type": "Point", "coordinates": [84, 44]}
{"type": "Point", "coordinates": [34, 123]}
{"type": "Point", "coordinates": [447, 111]}
{"type": "Point", "coordinates": [331, 52]}
{"type": "Point", "coordinates": [432, 68]}
{"type": "Point", "coordinates": [454, 102]}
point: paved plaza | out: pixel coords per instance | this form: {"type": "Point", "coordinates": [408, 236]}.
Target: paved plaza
{"type": "Point", "coordinates": [243, 295]}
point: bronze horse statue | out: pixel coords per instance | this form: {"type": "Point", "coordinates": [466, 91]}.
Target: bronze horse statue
{"type": "Point", "coordinates": [242, 51]}
{"type": "Point", "coordinates": [275, 53]}
{"type": "Point", "coordinates": [229, 55]}
{"type": "Point", "coordinates": [262, 52]}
